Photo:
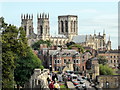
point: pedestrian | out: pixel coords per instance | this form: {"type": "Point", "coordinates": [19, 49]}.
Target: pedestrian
{"type": "Point", "coordinates": [51, 85]}
{"type": "Point", "coordinates": [56, 86]}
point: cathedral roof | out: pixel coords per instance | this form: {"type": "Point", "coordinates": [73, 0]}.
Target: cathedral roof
{"type": "Point", "coordinates": [80, 38]}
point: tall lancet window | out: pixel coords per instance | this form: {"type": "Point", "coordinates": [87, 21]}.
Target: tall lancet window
{"type": "Point", "coordinates": [74, 26]}
{"type": "Point", "coordinates": [30, 30]}
{"type": "Point", "coordinates": [66, 26]}
{"type": "Point", "coordinates": [46, 30]}
{"type": "Point", "coordinates": [41, 30]}
{"type": "Point", "coordinates": [62, 26]}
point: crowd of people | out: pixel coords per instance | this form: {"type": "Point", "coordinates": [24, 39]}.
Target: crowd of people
{"type": "Point", "coordinates": [53, 81]}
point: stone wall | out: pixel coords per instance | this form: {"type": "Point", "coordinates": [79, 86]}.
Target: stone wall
{"type": "Point", "coordinates": [108, 81]}
{"type": "Point", "coordinates": [38, 79]}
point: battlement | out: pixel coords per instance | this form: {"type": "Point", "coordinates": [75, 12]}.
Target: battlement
{"type": "Point", "coordinates": [27, 16]}
{"type": "Point", "coordinates": [43, 15]}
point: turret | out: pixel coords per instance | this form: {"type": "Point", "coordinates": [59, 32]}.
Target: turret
{"type": "Point", "coordinates": [27, 23]}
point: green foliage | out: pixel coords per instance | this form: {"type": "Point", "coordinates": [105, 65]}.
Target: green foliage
{"type": "Point", "coordinates": [18, 60]}
{"type": "Point", "coordinates": [102, 60]}
{"type": "Point", "coordinates": [106, 70]}
{"type": "Point", "coordinates": [36, 45]}
{"type": "Point", "coordinates": [69, 44]}
{"type": "Point", "coordinates": [25, 67]}
{"type": "Point", "coordinates": [79, 47]}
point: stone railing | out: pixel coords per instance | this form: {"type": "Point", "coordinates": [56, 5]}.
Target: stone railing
{"type": "Point", "coordinates": [38, 79]}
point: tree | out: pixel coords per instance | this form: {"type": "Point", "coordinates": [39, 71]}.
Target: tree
{"type": "Point", "coordinates": [18, 60]}
{"type": "Point", "coordinates": [11, 48]}
{"type": "Point", "coordinates": [102, 60]}
{"type": "Point", "coordinates": [106, 70]}
{"type": "Point", "coordinates": [36, 45]}
{"type": "Point", "coordinates": [79, 47]}
{"type": "Point", "coordinates": [70, 43]}
{"type": "Point", "coordinates": [25, 67]}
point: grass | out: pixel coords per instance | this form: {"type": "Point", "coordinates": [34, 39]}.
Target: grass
{"type": "Point", "coordinates": [63, 87]}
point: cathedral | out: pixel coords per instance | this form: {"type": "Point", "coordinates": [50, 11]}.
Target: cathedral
{"type": "Point", "coordinates": [67, 32]}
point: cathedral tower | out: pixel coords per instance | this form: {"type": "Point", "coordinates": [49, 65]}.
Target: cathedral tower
{"type": "Point", "coordinates": [27, 24]}
{"type": "Point", "coordinates": [68, 25]}
{"type": "Point", "coordinates": [43, 29]}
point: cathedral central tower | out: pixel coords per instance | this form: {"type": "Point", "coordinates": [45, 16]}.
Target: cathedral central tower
{"type": "Point", "coordinates": [68, 25]}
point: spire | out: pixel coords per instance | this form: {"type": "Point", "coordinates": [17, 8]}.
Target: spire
{"type": "Point", "coordinates": [94, 32]}
{"type": "Point", "coordinates": [103, 31]}
{"type": "Point", "coordinates": [21, 16]}
{"type": "Point", "coordinates": [37, 15]}
{"type": "Point", "coordinates": [40, 15]}
{"type": "Point", "coordinates": [24, 16]}
{"type": "Point", "coordinates": [32, 16]}
{"type": "Point", "coordinates": [43, 15]}
{"type": "Point", "coordinates": [109, 38]}
{"type": "Point", "coordinates": [29, 16]}
{"type": "Point", "coordinates": [86, 38]}
{"type": "Point", "coordinates": [99, 33]}
{"type": "Point", "coordinates": [48, 15]}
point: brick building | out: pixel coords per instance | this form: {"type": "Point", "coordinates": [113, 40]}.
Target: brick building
{"type": "Point", "coordinates": [112, 56]}
{"type": "Point", "coordinates": [56, 58]}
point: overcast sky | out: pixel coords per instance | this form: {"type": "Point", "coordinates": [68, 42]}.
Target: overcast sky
{"type": "Point", "coordinates": [92, 16]}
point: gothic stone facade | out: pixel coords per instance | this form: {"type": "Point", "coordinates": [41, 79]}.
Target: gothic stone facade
{"type": "Point", "coordinates": [67, 31]}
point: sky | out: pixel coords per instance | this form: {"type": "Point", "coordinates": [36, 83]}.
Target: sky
{"type": "Point", "coordinates": [92, 16]}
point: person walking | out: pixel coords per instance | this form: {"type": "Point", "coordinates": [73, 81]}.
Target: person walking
{"type": "Point", "coordinates": [51, 85]}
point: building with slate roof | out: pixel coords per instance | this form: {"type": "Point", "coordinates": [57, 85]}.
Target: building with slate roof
{"type": "Point", "coordinates": [67, 32]}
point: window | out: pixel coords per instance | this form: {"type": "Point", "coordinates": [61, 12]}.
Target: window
{"type": "Point", "coordinates": [41, 29]}
{"type": "Point", "coordinates": [111, 61]}
{"type": "Point", "coordinates": [62, 26]}
{"type": "Point", "coordinates": [55, 61]}
{"type": "Point", "coordinates": [114, 61]}
{"type": "Point", "coordinates": [114, 56]}
{"type": "Point", "coordinates": [58, 61]}
{"type": "Point", "coordinates": [74, 61]}
{"type": "Point", "coordinates": [69, 60]}
{"type": "Point", "coordinates": [66, 26]}
{"type": "Point", "coordinates": [83, 57]}
{"type": "Point", "coordinates": [77, 61]}
{"type": "Point", "coordinates": [64, 60]}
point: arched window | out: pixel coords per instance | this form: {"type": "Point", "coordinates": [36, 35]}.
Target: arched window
{"type": "Point", "coordinates": [25, 28]}
{"type": "Point", "coordinates": [30, 30]}
{"type": "Point", "coordinates": [74, 26]}
{"type": "Point", "coordinates": [62, 26]}
{"type": "Point", "coordinates": [41, 29]}
{"type": "Point", "coordinates": [46, 30]}
{"type": "Point", "coordinates": [71, 26]}
{"type": "Point", "coordinates": [66, 26]}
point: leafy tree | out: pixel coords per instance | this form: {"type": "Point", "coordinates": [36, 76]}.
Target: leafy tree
{"type": "Point", "coordinates": [106, 70]}
{"type": "Point", "coordinates": [70, 43]}
{"type": "Point", "coordinates": [25, 67]}
{"type": "Point", "coordinates": [102, 60]}
{"type": "Point", "coordinates": [18, 60]}
{"type": "Point", "coordinates": [79, 47]}
{"type": "Point", "coordinates": [36, 45]}
{"type": "Point", "coordinates": [11, 47]}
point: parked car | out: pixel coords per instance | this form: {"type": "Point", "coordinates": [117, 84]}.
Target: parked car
{"type": "Point", "coordinates": [73, 77]}
{"type": "Point", "coordinates": [84, 77]}
{"type": "Point", "coordinates": [82, 81]}
{"type": "Point", "coordinates": [75, 82]}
